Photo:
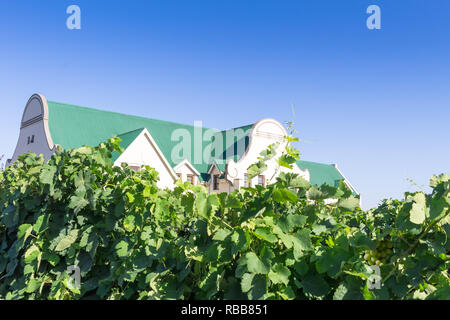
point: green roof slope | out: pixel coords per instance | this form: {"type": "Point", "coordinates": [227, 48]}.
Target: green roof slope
{"type": "Point", "coordinates": [321, 173]}
{"type": "Point", "coordinates": [73, 126]}
{"type": "Point", "coordinates": [127, 139]}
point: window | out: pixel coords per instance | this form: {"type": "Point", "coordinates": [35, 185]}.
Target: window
{"type": "Point", "coordinates": [179, 176]}
{"type": "Point", "coordinates": [30, 139]}
{"type": "Point", "coordinates": [216, 182]}
{"type": "Point", "coordinates": [190, 178]}
{"type": "Point", "coordinates": [247, 183]}
{"type": "Point", "coordinates": [261, 180]}
{"type": "Point", "coordinates": [135, 168]}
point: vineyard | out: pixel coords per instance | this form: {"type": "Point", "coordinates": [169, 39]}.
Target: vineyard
{"type": "Point", "coordinates": [131, 240]}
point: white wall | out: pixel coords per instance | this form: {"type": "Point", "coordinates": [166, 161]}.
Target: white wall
{"type": "Point", "coordinates": [264, 133]}
{"type": "Point", "coordinates": [143, 151]}
{"type": "Point", "coordinates": [34, 122]}
{"type": "Point", "coordinates": [33, 109]}
{"type": "Point", "coordinates": [39, 146]}
{"type": "Point", "coordinates": [184, 169]}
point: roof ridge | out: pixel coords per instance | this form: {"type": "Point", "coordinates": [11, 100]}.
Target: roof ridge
{"type": "Point", "coordinates": [248, 125]}
{"type": "Point", "coordinates": [321, 163]}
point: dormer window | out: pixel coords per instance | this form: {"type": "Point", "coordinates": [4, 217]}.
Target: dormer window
{"type": "Point", "coordinates": [216, 182]}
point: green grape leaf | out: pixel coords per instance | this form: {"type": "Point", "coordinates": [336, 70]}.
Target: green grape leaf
{"type": "Point", "coordinates": [265, 234]}
{"type": "Point", "coordinates": [246, 282]}
{"type": "Point", "coordinates": [221, 234]}
{"type": "Point", "coordinates": [128, 223]}
{"type": "Point", "coordinates": [259, 287]}
{"type": "Point", "coordinates": [417, 212]}
{"type": "Point", "coordinates": [315, 286]}
{"type": "Point", "coordinates": [77, 203]}
{"type": "Point", "coordinates": [68, 240]}
{"type": "Point", "coordinates": [349, 204]}
{"type": "Point", "coordinates": [255, 265]}
{"type": "Point", "coordinates": [122, 249]}
{"type": "Point", "coordinates": [279, 274]}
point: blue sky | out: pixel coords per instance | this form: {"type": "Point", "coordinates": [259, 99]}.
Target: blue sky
{"type": "Point", "coordinates": [376, 102]}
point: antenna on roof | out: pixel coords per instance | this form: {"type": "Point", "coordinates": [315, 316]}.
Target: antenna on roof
{"type": "Point", "coordinates": [2, 165]}
{"type": "Point", "coordinates": [293, 110]}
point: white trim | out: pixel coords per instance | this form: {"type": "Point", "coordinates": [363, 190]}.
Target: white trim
{"type": "Point", "coordinates": [214, 164]}
{"type": "Point", "coordinates": [345, 179]}
{"type": "Point", "coordinates": [45, 117]}
{"type": "Point", "coordinates": [211, 176]}
{"type": "Point", "coordinates": [188, 164]}
{"type": "Point", "coordinates": [150, 139]}
{"type": "Point", "coordinates": [253, 132]}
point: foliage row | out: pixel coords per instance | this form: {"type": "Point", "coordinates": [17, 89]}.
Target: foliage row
{"type": "Point", "coordinates": [132, 240]}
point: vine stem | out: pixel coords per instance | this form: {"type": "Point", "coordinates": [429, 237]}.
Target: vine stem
{"type": "Point", "coordinates": [278, 166]}
{"type": "Point", "coordinates": [223, 222]}
{"type": "Point", "coordinates": [403, 239]}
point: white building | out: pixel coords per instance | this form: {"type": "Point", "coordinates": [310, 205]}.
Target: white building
{"type": "Point", "coordinates": [217, 159]}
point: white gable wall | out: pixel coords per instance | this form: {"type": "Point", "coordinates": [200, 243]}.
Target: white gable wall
{"type": "Point", "coordinates": [144, 151]}
{"type": "Point", "coordinates": [39, 146]}
{"type": "Point", "coordinates": [185, 169]}
{"type": "Point", "coordinates": [263, 134]}
{"type": "Point", "coordinates": [34, 123]}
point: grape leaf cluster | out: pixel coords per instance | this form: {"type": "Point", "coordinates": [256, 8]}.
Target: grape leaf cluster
{"type": "Point", "coordinates": [287, 240]}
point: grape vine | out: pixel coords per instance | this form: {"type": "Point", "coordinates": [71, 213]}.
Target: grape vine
{"type": "Point", "coordinates": [132, 240]}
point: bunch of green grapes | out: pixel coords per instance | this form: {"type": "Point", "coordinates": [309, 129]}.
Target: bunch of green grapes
{"type": "Point", "coordinates": [380, 255]}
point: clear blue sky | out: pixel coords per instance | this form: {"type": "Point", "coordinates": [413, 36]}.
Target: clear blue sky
{"type": "Point", "coordinates": [376, 102]}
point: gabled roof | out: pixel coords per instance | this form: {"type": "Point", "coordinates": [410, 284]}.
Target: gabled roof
{"type": "Point", "coordinates": [187, 164]}
{"type": "Point", "coordinates": [73, 126]}
{"type": "Point", "coordinates": [321, 173]}
{"type": "Point", "coordinates": [127, 139]}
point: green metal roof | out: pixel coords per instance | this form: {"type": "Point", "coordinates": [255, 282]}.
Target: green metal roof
{"type": "Point", "coordinates": [127, 139]}
{"type": "Point", "coordinates": [73, 126]}
{"type": "Point", "coordinates": [321, 173]}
